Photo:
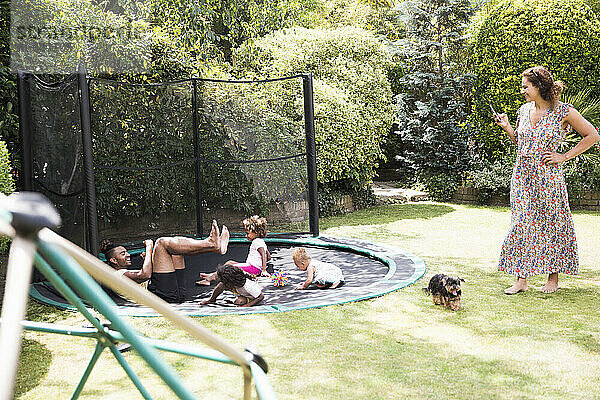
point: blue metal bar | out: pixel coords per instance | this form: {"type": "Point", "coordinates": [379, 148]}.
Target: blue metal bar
{"type": "Point", "coordinates": [264, 390]}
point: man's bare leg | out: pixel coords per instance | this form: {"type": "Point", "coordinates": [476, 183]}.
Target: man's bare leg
{"type": "Point", "coordinates": [162, 259]}
{"type": "Point", "coordinates": [167, 247]}
{"type": "Point", "coordinates": [180, 245]}
{"type": "Point", "coordinates": [178, 262]}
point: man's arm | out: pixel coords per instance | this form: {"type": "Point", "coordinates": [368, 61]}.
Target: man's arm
{"type": "Point", "coordinates": [143, 274]}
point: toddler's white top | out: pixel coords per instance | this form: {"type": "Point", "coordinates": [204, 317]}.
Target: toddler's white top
{"type": "Point", "coordinates": [254, 257]}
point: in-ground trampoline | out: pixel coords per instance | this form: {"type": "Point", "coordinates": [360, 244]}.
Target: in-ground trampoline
{"type": "Point", "coordinates": [126, 161]}
{"type": "Point", "coordinates": [370, 270]}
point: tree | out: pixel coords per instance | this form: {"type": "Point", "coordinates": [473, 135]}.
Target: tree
{"type": "Point", "coordinates": [431, 107]}
{"type": "Point", "coordinates": [351, 93]}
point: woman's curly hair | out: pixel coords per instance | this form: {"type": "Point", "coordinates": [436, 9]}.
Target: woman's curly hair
{"type": "Point", "coordinates": [543, 80]}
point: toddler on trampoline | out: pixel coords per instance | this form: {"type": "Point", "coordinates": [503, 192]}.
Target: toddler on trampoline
{"type": "Point", "coordinates": [256, 262]}
{"type": "Point", "coordinates": [323, 275]}
{"type": "Point", "coordinates": [232, 278]}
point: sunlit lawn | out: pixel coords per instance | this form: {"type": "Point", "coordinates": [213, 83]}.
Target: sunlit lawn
{"type": "Point", "coordinates": [399, 346]}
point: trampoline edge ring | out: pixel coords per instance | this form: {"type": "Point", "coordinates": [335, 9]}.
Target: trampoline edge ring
{"type": "Point", "coordinates": [403, 269]}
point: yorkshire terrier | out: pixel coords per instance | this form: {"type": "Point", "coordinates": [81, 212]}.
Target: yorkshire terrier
{"type": "Point", "coordinates": [445, 290]}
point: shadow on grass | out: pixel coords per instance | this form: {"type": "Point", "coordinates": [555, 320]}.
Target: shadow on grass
{"type": "Point", "coordinates": [386, 214]}
{"type": "Point", "coordinates": [392, 357]}
{"type": "Point", "coordinates": [570, 313]}
{"type": "Point", "coordinates": [33, 366]}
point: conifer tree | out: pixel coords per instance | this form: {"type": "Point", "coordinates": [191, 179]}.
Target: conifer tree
{"type": "Point", "coordinates": [431, 107]}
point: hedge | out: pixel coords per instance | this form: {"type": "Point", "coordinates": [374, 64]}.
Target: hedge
{"type": "Point", "coordinates": [513, 35]}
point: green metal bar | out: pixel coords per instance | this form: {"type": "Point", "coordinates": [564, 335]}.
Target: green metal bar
{"type": "Point", "coordinates": [92, 292]}
{"type": "Point", "coordinates": [97, 351]}
{"type": "Point", "coordinates": [66, 291]}
{"type": "Point", "coordinates": [130, 372]}
{"type": "Point", "coordinates": [60, 329]}
{"type": "Point", "coordinates": [205, 354]}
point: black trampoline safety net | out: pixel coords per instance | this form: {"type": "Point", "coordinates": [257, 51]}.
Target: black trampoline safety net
{"type": "Point", "coordinates": [168, 158]}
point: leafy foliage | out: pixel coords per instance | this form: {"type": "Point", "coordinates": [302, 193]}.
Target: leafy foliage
{"type": "Point", "coordinates": [9, 121]}
{"type": "Point", "coordinates": [351, 92]}
{"type": "Point", "coordinates": [589, 108]}
{"type": "Point", "coordinates": [492, 178]}
{"type": "Point", "coordinates": [431, 107]}
{"type": "Point", "coordinates": [7, 185]}
{"type": "Point", "coordinates": [514, 35]}
{"type": "Point", "coordinates": [6, 182]}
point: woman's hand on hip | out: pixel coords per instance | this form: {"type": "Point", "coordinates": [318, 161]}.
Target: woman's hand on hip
{"type": "Point", "coordinates": [550, 157]}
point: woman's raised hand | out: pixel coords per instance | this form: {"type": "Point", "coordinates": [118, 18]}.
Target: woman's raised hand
{"type": "Point", "coordinates": [502, 121]}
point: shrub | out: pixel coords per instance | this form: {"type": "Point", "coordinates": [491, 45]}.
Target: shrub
{"type": "Point", "coordinates": [6, 183]}
{"type": "Point", "coordinates": [513, 35]}
{"type": "Point", "coordinates": [351, 93]}
{"type": "Point", "coordinates": [440, 186]}
{"type": "Point", "coordinates": [492, 178]}
{"type": "Point", "coordinates": [582, 176]}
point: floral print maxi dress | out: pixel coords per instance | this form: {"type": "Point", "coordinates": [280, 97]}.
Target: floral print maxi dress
{"type": "Point", "coordinates": [541, 239]}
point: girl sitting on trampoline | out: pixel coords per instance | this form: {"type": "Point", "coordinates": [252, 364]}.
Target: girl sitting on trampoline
{"type": "Point", "coordinates": [232, 278]}
{"type": "Point", "coordinates": [256, 262]}
{"type": "Point", "coordinates": [323, 275]}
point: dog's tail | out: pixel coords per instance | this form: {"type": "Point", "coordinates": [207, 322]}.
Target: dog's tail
{"type": "Point", "coordinates": [426, 290]}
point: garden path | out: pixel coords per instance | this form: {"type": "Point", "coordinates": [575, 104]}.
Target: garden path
{"type": "Point", "coordinates": [389, 192]}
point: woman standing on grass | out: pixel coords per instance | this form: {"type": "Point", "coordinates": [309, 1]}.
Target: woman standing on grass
{"type": "Point", "coordinates": [541, 239]}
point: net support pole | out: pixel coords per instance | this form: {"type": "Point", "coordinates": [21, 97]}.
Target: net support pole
{"type": "Point", "coordinates": [198, 191]}
{"type": "Point", "coordinates": [91, 218]}
{"type": "Point", "coordinates": [20, 266]}
{"type": "Point", "coordinates": [23, 79]}
{"type": "Point", "coordinates": [311, 154]}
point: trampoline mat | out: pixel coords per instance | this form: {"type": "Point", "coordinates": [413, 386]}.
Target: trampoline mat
{"type": "Point", "coordinates": [370, 269]}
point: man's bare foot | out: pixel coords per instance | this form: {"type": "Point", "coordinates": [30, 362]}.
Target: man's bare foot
{"type": "Point", "coordinates": [214, 235]}
{"type": "Point", "coordinates": [334, 285]}
{"type": "Point", "coordinates": [552, 285]}
{"type": "Point", "coordinates": [203, 282]}
{"type": "Point", "coordinates": [224, 240]}
{"type": "Point", "coordinates": [519, 286]}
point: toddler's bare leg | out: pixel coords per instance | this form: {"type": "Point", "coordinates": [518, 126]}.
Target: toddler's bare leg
{"type": "Point", "coordinates": [207, 279]}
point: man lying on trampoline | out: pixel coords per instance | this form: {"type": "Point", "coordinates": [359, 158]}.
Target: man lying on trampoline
{"type": "Point", "coordinates": [163, 269]}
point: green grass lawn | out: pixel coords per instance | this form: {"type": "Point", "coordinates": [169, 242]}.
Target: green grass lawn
{"type": "Point", "coordinates": [398, 346]}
